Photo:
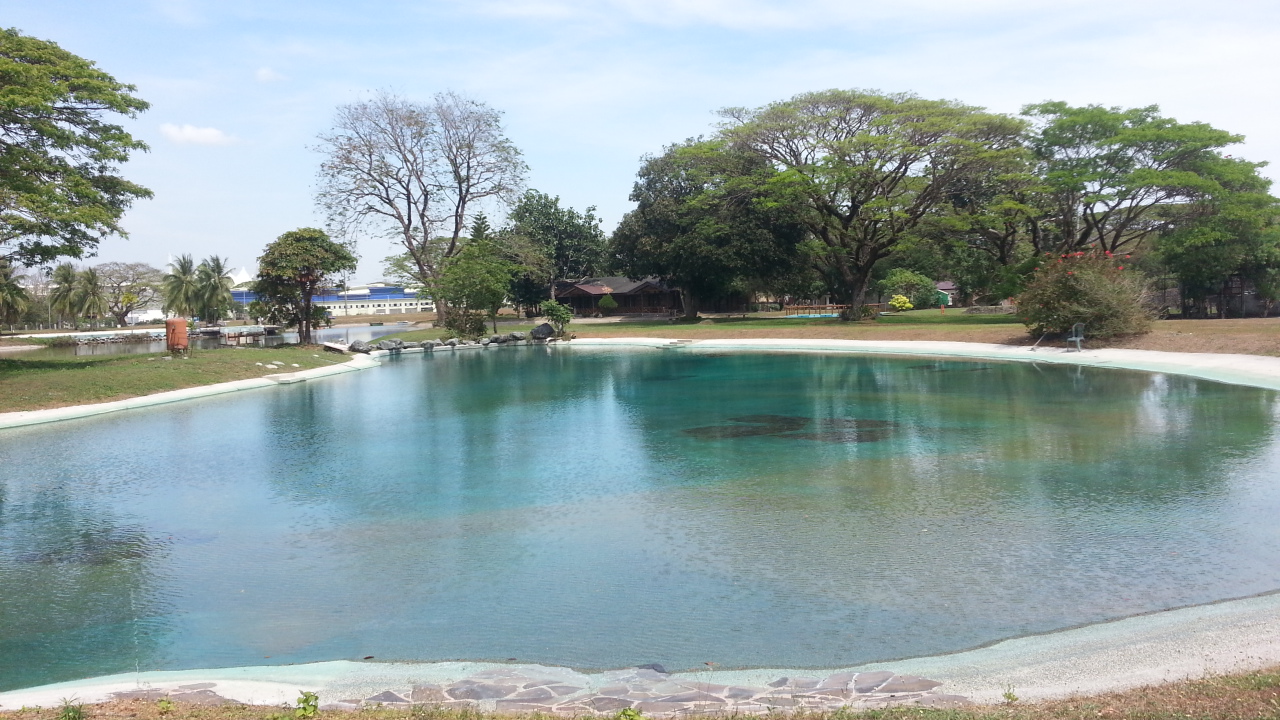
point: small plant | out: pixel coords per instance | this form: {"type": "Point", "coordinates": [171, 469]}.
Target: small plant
{"type": "Point", "coordinates": [557, 314]}
{"type": "Point", "coordinates": [628, 714]}
{"type": "Point", "coordinates": [1009, 697]}
{"type": "Point", "coordinates": [71, 710]}
{"type": "Point", "coordinates": [900, 303]}
{"type": "Point", "coordinates": [607, 304]}
{"type": "Point", "coordinates": [164, 705]}
{"type": "Point", "coordinates": [308, 705]}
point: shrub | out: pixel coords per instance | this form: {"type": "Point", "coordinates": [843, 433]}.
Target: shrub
{"type": "Point", "coordinates": [919, 289]}
{"type": "Point", "coordinates": [1091, 288]}
{"type": "Point", "coordinates": [900, 302]}
{"type": "Point", "coordinates": [557, 314]}
{"type": "Point", "coordinates": [607, 304]}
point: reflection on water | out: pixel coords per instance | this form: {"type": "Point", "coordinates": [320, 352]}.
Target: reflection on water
{"type": "Point", "coordinates": [599, 509]}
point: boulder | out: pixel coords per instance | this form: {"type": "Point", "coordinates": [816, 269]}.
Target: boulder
{"type": "Point", "coordinates": [451, 342]}
{"type": "Point", "coordinates": [359, 346]}
{"type": "Point", "coordinates": [389, 345]}
{"type": "Point", "coordinates": [498, 339]}
{"type": "Point", "coordinates": [411, 344]}
{"type": "Point", "coordinates": [485, 342]}
{"type": "Point", "coordinates": [517, 336]}
{"type": "Point", "coordinates": [542, 332]}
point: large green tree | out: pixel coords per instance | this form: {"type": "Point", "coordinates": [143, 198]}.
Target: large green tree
{"type": "Point", "coordinates": [62, 292]}
{"type": "Point", "coordinates": [474, 285]}
{"type": "Point", "coordinates": [60, 190]}
{"type": "Point", "coordinates": [293, 268]}
{"type": "Point", "coordinates": [706, 222]}
{"type": "Point", "coordinates": [864, 168]}
{"type": "Point", "coordinates": [1114, 177]}
{"type": "Point", "coordinates": [554, 243]}
{"type": "Point", "coordinates": [213, 288]}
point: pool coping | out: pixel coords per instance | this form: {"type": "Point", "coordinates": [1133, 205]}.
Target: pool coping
{"type": "Point", "coordinates": [1161, 646]}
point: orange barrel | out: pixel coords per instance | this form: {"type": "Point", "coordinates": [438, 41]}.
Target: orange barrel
{"type": "Point", "coordinates": [175, 334]}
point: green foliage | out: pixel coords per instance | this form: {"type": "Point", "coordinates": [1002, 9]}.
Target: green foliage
{"type": "Point", "coordinates": [290, 272]}
{"type": "Point", "coordinates": [213, 289]}
{"type": "Point", "coordinates": [551, 243]}
{"type": "Point", "coordinates": [919, 289]}
{"type": "Point", "coordinates": [900, 303]}
{"type": "Point", "coordinates": [628, 714]}
{"type": "Point", "coordinates": [864, 170]}
{"type": "Point", "coordinates": [558, 314]}
{"type": "Point", "coordinates": [707, 223]}
{"type": "Point", "coordinates": [13, 297]}
{"type": "Point", "coordinates": [1009, 697]}
{"type": "Point", "coordinates": [164, 706]}
{"type": "Point", "coordinates": [307, 705]}
{"type": "Point", "coordinates": [181, 287]}
{"type": "Point", "coordinates": [1091, 288]}
{"type": "Point", "coordinates": [607, 304]}
{"type": "Point", "coordinates": [58, 161]}
{"type": "Point", "coordinates": [474, 285]}
{"type": "Point", "coordinates": [71, 710]}
{"type": "Point", "coordinates": [1113, 177]}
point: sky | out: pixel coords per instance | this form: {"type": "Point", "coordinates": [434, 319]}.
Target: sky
{"type": "Point", "coordinates": [240, 89]}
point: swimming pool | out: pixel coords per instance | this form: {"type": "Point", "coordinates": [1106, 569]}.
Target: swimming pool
{"type": "Point", "coordinates": [612, 507]}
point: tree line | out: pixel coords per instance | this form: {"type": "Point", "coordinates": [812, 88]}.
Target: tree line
{"type": "Point", "coordinates": [838, 194]}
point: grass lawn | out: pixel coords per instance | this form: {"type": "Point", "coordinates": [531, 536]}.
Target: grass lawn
{"type": "Point", "coordinates": [1243, 696]}
{"type": "Point", "coordinates": [37, 383]}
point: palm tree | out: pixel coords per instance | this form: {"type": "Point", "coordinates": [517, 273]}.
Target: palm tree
{"type": "Point", "coordinates": [214, 280]}
{"type": "Point", "coordinates": [62, 294]}
{"type": "Point", "coordinates": [13, 297]}
{"type": "Point", "coordinates": [180, 287]}
{"type": "Point", "coordinates": [90, 298]}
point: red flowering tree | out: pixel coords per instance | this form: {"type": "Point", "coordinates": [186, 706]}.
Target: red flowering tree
{"type": "Point", "coordinates": [1094, 288]}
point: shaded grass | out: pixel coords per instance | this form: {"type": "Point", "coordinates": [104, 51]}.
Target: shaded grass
{"type": "Point", "coordinates": [1239, 696]}
{"type": "Point", "coordinates": [38, 383]}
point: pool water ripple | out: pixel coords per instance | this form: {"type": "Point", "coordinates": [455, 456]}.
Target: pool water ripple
{"type": "Point", "coordinates": [613, 508]}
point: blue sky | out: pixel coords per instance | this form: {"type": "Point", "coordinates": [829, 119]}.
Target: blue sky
{"type": "Point", "coordinates": [239, 89]}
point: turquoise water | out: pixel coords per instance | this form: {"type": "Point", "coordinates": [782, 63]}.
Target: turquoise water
{"type": "Point", "coordinates": [601, 508]}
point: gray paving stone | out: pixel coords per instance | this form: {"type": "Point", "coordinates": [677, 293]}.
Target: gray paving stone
{"type": "Point", "coordinates": [140, 694]}
{"type": "Point", "coordinates": [868, 682]}
{"type": "Point", "coordinates": [695, 697]}
{"type": "Point", "coordinates": [907, 683]}
{"type": "Point", "coordinates": [467, 690]}
{"type": "Point", "coordinates": [517, 706]}
{"type": "Point", "coordinates": [428, 694]}
{"type": "Point", "coordinates": [608, 704]}
{"type": "Point", "coordinates": [741, 693]}
{"type": "Point", "coordinates": [840, 680]}
{"type": "Point", "coordinates": [534, 694]}
{"type": "Point", "coordinates": [654, 707]}
{"type": "Point", "coordinates": [198, 686]}
{"type": "Point", "coordinates": [385, 697]}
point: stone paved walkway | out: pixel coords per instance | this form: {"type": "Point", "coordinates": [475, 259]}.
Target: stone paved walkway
{"type": "Point", "coordinates": [652, 691]}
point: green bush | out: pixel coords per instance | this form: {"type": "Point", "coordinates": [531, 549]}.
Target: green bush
{"type": "Point", "coordinates": [557, 314]}
{"type": "Point", "coordinates": [466, 324]}
{"type": "Point", "coordinates": [918, 288]}
{"type": "Point", "coordinates": [900, 303]}
{"type": "Point", "coordinates": [607, 304]}
{"type": "Point", "coordinates": [1096, 289]}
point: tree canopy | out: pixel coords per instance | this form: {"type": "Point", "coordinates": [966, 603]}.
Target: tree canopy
{"type": "Point", "coordinates": [864, 169]}
{"type": "Point", "coordinates": [707, 222]}
{"type": "Point", "coordinates": [292, 269]}
{"type": "Point", "coordinates": [60, 190]}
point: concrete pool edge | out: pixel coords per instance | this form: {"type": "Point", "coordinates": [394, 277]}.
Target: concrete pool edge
{"type": "Point", "coordinates": [1184, 643]}
{"type": "Point", "coordinates": [23, 418]}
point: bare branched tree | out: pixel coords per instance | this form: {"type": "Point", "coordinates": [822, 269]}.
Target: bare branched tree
{"type": "Point", "coordinates": [415, 173]}
{"type": "Point", "coordinates": [128, 287]}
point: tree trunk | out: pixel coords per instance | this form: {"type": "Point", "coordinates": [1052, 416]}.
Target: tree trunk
{"type": "Point", "coordinates": [690, 303]}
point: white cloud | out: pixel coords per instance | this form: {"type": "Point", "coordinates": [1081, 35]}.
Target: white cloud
{"type": "Point", "coordinates": [267, 75]}
{"type": "Point", "coordinates": [192, 135]}
{"type": "Point", "coordinates": [183, 12]}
